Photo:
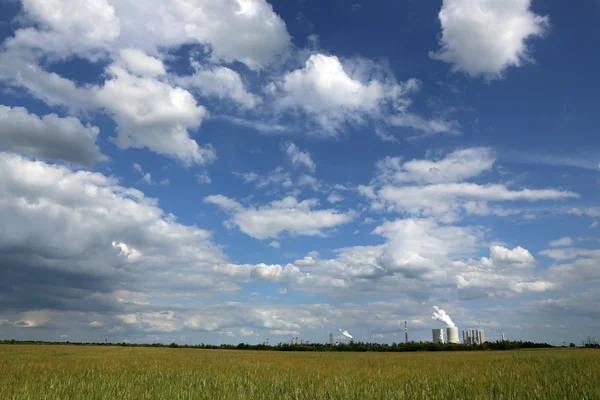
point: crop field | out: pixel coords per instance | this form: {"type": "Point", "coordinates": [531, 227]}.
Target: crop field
{"type": "Point", "coordinates": [87, 372]}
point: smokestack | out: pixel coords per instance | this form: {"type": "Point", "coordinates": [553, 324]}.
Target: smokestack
{"type": "Point", "coordinates": [405, 332]}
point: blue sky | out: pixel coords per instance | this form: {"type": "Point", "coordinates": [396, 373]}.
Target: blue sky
{"type": "Point", "coordinates": [228, 171]}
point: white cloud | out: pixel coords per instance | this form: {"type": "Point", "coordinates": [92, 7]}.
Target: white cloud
{"type": "Point", "coordinates": [574, 266]}
{"type": "Point", "coordinates": [428, 188]}
{"type": "Point", "coordinates": [457, 166]}
{"type": "Point", "coordinates": [49, 137]}
{"type": "Point", "coordinates": [298, 157]}
{"type": "Point", "coordinates": [308, 180]}
{"type": "Point", "coordinates": [415, 259]}
{"type": "Point", "coordinates": [448, 200]}
{"type": "Point", "coordinates": [275, 244]}
{"type": "Point", "coordinates": [418, 247]}
{"type": "Point", "coordinates": [589, 212]}
{"type": "Point", "coordinates": [332, 93]}
{"type": "Point", "coordinates": [138, 62]}
{"type": "Point", "coordinates": [146, 177]}
{"type": "Point", "coordinates": [247, 332]}
{"type": "Point", "coordinates": [245, 30]}
{"type": "Point", "coordinates": [502, 258]}
{"type": "Point", "coordinates": [204, 178]}
{"type": "Point", "coordinates": [221, 82]}
{"type": "Point", "coordinates": [59, 223]}
{"type": "Point", "coordinates": [562, 242]}
{"type": "Point", "coordinates": [277, 177]}
{"type": "Point", "coordinates": [334, 198]}
{"type": "Point", "coordinates": [594, 225]}
{"type": "Point", "coordinates": [238, 30]}
{"type": "Point", "coordinates": [504, 274]}
{"type": "Point", "coordinates": [152, 114]}
{"type": "Point", "coordinates": [247, 177]}
{"type": "Point", "coordinates": [149, 113]}
{"type": "Point", "coordinates": [428, 127]}
{"type": "Point", "coordinates": [569, 305]}
{"type": "Point", "coordinates": [570, 253]}
{"type": "Point", "coordinates": [286, 215]}
{"type": "Point", "coordinates": [484, 37]}
{"type": "Point", "coordinates": [71, 25]}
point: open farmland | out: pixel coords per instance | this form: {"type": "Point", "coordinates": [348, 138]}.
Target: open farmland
{"type": "Point", "coordinates": [73, 372]}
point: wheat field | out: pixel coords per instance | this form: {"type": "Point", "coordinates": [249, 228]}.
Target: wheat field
{"type": "Point", "coordinates": [106, 372]}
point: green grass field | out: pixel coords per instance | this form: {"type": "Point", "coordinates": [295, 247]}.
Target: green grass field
{"type": "Point", "coordinates": [86, 372]}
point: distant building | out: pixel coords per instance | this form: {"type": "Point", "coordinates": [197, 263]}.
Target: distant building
{"type": "Point", "coordinates": [331, 339]}
{"type": "Point", "coordinates": [438, 335]}
{"type": "Point", "coordinates": [473, 336]}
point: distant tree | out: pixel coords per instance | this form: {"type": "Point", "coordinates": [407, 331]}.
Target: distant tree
{"type": "Point", "coordinates": [572, 345]}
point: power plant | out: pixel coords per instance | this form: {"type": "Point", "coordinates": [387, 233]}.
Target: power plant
{"type": "Point", "coordinates": [438, 335]}
{"type": "Point", "coordinates": [473, 336]}
{"type": "Point", "coordinates": [452, 334]}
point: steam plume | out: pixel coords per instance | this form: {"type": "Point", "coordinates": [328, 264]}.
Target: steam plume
{"type": "Point", "coordinates": [441, 315]}
{"type": "Point", "coordinates": [345, 333]}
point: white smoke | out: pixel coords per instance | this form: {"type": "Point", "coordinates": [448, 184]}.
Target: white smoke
{"type": "Point", "coordinates": [441, 315]}
{"type": "Point", "coordinates": [345, 333]}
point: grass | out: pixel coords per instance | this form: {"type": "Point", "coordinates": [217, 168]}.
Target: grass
{"type": "Point", "coordinates": [73, 372]}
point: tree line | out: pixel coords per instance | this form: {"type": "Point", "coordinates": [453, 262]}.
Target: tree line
{"type": "Point", "coordinates": [351, 346]}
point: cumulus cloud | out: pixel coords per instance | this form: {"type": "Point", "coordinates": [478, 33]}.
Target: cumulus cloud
{"type": "Point", "coordinates": [149, 112]}
{"type": "Point", "coordinates": [220, 82]}
{"type": "Point", "coordinates": [333, 93]}
{"type": "Point", "coordinates": [48, 137]}
{"type": "Point", "coordinates": [235, 30]}
{"type": "Point", "coordinates": [297, 157]}
{"type": "Point", "coordinates": [416, 258]}
{"type": "Point", "coordinates": [68, 239]}
{"type": "Point", "coordinates": [505, 273]}
{"type": "Point", "coordinates": [138, 62]}
{"type": "Point", "coordinates": [286, 215]}
{"type": "Point", "coordinates": [484, 37]}
{"type": "Point", "coordinates": [70, 26]}
{"type": "Point", "coordinates": [152, 114]}
{"type": "Point", "coordinates": [417, 247]}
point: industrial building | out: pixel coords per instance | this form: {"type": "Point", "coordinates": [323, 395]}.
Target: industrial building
{"type": "Point", "coordinates": [452, 334]}
{"type": "Point", "coordinates": [473, 336]}
{"type": "Point", "coordinates": [438, 335]}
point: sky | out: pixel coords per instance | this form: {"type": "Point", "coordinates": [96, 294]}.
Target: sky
{"type": "Point", "coordinates": [226, 171]}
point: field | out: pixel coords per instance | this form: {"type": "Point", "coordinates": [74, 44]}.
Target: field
{"type": "Point", "coordinates": [86, 372]}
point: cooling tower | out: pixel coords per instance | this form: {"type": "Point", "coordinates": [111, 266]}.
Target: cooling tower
{"type": "Point", "coordinates": [438, 335]}
{"type": "Point", "coordinates": [452, 334]}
